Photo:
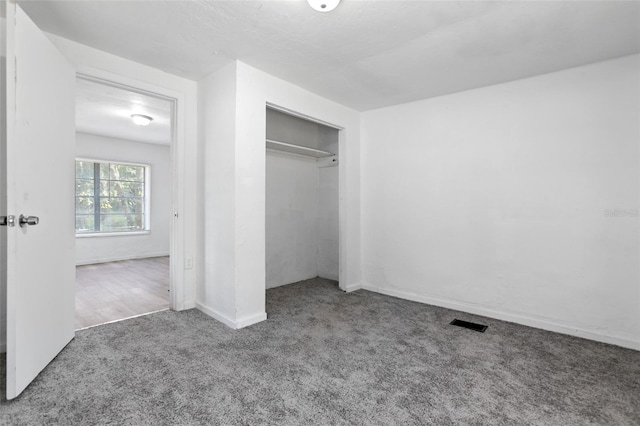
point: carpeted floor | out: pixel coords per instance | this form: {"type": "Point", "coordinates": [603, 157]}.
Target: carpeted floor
{"type": "Point", "coordinates": [326, 357]}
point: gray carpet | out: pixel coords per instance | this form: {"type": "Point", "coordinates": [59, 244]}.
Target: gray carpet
{"type": "Point", "coordinates": [326, 357]}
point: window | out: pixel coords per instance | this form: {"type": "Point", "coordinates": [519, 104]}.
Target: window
{"type": "Point", "coordinates": [111, 197]}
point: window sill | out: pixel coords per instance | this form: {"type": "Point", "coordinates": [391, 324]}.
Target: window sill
{"type": "Point", "coordinates": [112, 234]}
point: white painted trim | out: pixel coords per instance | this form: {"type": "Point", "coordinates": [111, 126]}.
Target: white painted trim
{"type": "Point", "coordinates": [106, 161]}
{"type": "Point", "coordinates": [248, 320]}
{"type": "Point", "coordinates": [112, 234]}
{"type": "Point", "coordinates": [119, 258]}
{"type": "Point", "coordinates": [509, 317]}
{"type": "Point", "coordinates": [234, 324]}
{"type": "Point", "coordinates": [216, 315]}
{"type": "Point", "coordinates": [352, 287]}
{"type": "Point", "coordinates": [302, 116]}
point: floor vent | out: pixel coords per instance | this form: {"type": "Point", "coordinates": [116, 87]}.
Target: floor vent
{"type": "Point", "coordinates": [470, 325]}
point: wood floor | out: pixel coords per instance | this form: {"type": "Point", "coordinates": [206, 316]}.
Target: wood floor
{"type": "Point", "coordinates": [116, 290]}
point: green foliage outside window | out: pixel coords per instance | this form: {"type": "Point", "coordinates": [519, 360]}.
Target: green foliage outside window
{"type": "Point", "coordinates": [110, 197]}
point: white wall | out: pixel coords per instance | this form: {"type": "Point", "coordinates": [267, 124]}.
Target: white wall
{"type": "Point", "coordinates": [187, 159]}
{"type": "Point", "coordinates": [497, 201]}
{"type": "Point", "coordinates": [291, 218]}
{"type": "Point", "coordinates": [96, 249]}
{"type": "Point", "coordinates": [246, 212]}
{"type": "Point", "coordinates": [217, 106]}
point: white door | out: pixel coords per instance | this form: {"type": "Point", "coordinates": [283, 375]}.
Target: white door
{"type": "Point", "coordinates": [40, 183]}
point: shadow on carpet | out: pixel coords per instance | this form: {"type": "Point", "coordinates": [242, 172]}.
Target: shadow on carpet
{"type": "Point", "coordinates": [328, 357]}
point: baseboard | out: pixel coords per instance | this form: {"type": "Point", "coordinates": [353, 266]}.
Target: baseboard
{"type": "Point", "coordinates": [509, 317]}
{"type": "Point", "coordinates": [120, 258]}
{"type": "Point", "coordinates": [231, 323]}
{"type": "Point", "coordinates": [352, 287]}
{"type": "Point", "coordinates": [216, 315]}
{"type": "Point", "coordinates": [251, 320]}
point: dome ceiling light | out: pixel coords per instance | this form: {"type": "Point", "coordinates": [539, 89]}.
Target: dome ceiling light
{"type": "Point", "coordinates": [323, 5]}
{"type": "Point", "coordinates": [141, 120]}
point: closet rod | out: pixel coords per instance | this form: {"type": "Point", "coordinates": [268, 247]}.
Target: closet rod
{"type": "Point", "coordinates": [297, 149]}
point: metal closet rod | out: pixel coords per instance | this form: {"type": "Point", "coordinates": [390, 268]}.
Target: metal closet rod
{"type": "Point", "coordinates": [283, 146]}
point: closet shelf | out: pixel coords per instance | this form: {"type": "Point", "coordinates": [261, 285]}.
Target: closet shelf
{"type": "Point", "coordinates": [297, 149]}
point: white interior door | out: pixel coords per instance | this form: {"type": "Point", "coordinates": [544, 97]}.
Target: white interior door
{"type": "Point", "coordinates": [40, 154]}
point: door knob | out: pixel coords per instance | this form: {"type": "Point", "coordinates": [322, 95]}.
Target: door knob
{"type": "Point", "coordinates": [28, 220]}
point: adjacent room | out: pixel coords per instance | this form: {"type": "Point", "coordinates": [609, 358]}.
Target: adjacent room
{"type": "Point", "coordinates": [366, 212]}
{"type": "Point", "coordinates": [123, 210]}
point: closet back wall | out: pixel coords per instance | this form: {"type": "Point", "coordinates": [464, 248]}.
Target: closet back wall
{"type": "Point", "coordinates": [291, 218]}
{"type": "Point", "coordinates": [156, 242]}
{"type": "Point", "coordinates": [301, 204]}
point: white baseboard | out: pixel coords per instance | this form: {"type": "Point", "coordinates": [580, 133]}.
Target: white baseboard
{"type": "Point", "coordinates": [251, 319]}
{"type": "Point", "coordinates": [352, 287]}
{"type": "Point", "coordinates": [216, 315]}
{"type": "Point", "coordinates": [509, 317]}
{"type": "Point", "coordinates": [231, 323]}
{"type": "Point", "coordinates": [119, 258]}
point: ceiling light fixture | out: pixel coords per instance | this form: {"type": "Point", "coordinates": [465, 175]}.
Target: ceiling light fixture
{"type": "Point", "coordinates": [323, 5]}
{"type": "Point", "coordinates": [141, 120]}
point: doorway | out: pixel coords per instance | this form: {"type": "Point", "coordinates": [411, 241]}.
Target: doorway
{"type": "Point", "coordinates": [124, 160]}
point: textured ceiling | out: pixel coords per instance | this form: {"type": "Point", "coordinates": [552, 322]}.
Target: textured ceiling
{"type": "Point", "coordinates": [365, 54]}
{"type": "Point", "coordinates": [106, 111]}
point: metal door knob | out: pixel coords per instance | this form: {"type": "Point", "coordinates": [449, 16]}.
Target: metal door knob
{"type": "Point", "coordinates": [28, 220]}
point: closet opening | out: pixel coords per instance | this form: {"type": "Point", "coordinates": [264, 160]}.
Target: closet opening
{"type": "Point", "coordinates": [302, 199]}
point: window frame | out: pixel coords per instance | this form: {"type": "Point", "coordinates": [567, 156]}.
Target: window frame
{"type": "Point", "coordinates": [147, 199]}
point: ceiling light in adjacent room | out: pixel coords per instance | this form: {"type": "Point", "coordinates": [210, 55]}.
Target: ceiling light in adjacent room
{"type": "Point", "coordinates": [141, 120]}
{"type": "Point", "coordinates": [323, 5]}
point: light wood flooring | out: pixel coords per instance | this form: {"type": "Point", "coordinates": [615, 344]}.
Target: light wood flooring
{"type": "Point", "coordinates": [116, 290]}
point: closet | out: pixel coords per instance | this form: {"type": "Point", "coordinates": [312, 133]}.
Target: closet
{"type": "Point", "coordinates": [301, 199]}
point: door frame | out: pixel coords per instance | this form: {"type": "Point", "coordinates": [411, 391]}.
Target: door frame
{"type": "Point", "coordinates": [177, 170]}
